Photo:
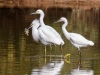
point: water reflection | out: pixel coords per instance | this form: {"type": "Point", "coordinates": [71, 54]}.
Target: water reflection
{"type": "Point", "coordinates": [79, 71]}
{"type": "Point", "coordinates": [20, 55]}
{"type": "Point", "coordinates": [52, 68]}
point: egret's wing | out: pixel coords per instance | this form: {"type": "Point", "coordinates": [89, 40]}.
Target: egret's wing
{"type": "Point", "coordinates": [78, 39]}
{"type": "Point", "coordinates": [35, 27]}
{"type": "Point", "coordinates": [47, 35]}
{"type": "Point", "coordinates": [35, 34]}
{"type": "Point", "coordinates": [57, 35]}
{"type": "Point", "coordinates": [35, 21]}
{"type": "Point", "coordinates": [54, 31]}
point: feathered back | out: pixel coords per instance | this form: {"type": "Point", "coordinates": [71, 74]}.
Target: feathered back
{"type": "Point", "coordinates": [35, 27]}
{"type": "Point", "coordinates": [35, 21]}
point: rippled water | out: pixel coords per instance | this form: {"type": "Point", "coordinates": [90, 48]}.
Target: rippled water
{"type": "Point", "coordinates": [21, 55]}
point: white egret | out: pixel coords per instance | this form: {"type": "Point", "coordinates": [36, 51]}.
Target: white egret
{"type": "Point", "coordinates": [76, 39]}
{"type": "Point", "coordinates": [36, 32]}
{"type": "Point", "coordinates": [47, 34]}
{"type": "Point", "coordinates": [34, 25]}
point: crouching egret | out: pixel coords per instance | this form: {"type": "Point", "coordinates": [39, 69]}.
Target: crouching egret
{"type": "Point", "coordinates": [47, 34]}
{"type": "Point", "coordinates": [35, 26]}
{"type": "Point", "coordinates": [36, 32]}
{"type": "Point", "coordinates": [76, 39]}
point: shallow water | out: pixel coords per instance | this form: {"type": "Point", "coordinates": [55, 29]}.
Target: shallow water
{"type": "Point", "coordinates": [21, 55]}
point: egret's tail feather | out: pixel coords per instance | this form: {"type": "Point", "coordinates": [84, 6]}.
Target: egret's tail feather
{"type": "Point", "coordinates": [91, 43]}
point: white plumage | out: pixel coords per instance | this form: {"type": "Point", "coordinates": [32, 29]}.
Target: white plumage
{"type": "Point", "coordinates": [47, 34]}
{"type": "Point", "coordinates": [76, 39]}
{"type": "Point", "coordinates": [35, 25]}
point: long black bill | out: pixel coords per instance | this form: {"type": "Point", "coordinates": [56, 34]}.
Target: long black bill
{"type": "Point", "coordinates": [30, 26]}
{"type": "Point", "coordinates": [57, 21]}
{"type": "Point", "coordinates": [33, 13]}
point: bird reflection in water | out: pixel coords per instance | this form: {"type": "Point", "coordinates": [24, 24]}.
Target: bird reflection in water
{"type": "Point", "coordinates": [79, 71]}
{"type": "Point", "coordinates": [51, 68]}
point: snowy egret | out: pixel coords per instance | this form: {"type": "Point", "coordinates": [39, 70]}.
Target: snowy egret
{"type": "Point", "coordinates": [34, 25]}
{"type": "Point", "coordinates": [76, 39]}
{"type": "Point", "coordinates": [36, 32]}
{"type": "Point", "coordinates": [47, 34]}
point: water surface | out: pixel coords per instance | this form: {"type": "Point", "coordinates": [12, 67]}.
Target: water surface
{"type": "Point", "coordinates": [21, 55]}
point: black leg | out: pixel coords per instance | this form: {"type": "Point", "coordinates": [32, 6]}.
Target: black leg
{"type": "Point", "coordinates": [45, 50]}
{"type": "Point", "coordinates": [50, 51]}
{"type": "Point", "coordinates": [61, 50]}
{"type": "Point", "coordinates": [45, 55]}
{"type": "Point", "coordinates": [55, 50]}
{"type": "Point", "coordinates": [80, 53]}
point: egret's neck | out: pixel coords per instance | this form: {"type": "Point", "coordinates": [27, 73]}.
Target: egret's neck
{"type": "Point", "coordinates": [66, 33]}
{"type": "Point", "coordinates": [65, 24]}
{"type": "Point", "coordinates": [41, 19]}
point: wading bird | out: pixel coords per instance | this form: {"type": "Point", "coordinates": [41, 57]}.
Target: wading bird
{"type": "Point", "coordinates": [47, 34]}
{"type": "Point", "coordinates": [35, 26]}
{"type": "Point", "coordinates": [76, 39]}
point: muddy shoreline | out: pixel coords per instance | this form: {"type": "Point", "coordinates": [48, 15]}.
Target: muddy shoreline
{"type": "Point", "coordinates": [80, 4]}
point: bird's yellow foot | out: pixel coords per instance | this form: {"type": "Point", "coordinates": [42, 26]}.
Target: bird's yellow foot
{"type": "Point", "coordinates": [67, 58]}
